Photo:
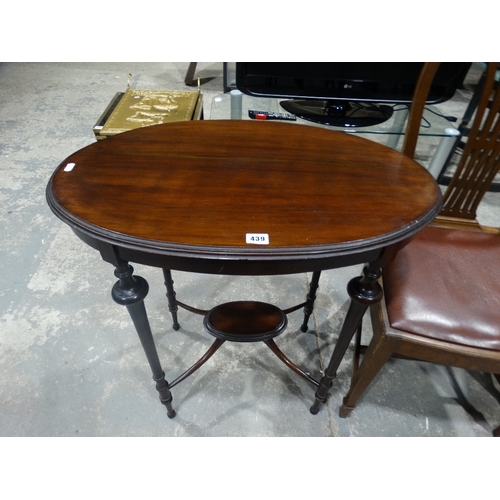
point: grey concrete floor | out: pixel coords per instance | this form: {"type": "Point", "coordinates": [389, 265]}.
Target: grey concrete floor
{"type": "Point", "coordinates": [70, 361]}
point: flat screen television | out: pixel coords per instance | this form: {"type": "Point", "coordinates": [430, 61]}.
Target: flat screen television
{"type": "Point", "coordinates": [345, 94]}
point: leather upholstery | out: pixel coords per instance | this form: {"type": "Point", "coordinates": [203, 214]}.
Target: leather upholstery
{"type": "Point", "coordinates": [445, 284]}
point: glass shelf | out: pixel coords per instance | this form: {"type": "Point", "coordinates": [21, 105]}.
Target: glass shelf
{"type": "Point", "coordinates": [433, 124]}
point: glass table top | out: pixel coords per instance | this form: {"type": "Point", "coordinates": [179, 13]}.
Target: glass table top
{"type": "Point", "coordinates": [433, 124]}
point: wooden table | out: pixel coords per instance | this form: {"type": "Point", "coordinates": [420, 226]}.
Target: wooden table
{"type": "Point", "coordinates": [242, 198]}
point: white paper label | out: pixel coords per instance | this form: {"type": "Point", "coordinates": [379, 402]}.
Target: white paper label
{"type": "Point", "coordinates": [258, 238]}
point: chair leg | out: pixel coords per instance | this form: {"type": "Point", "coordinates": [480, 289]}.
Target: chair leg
{"type": "Point", "coordinates": [357, 351]}
{"type": "Point", "coordinates": [378, 352]}
{"type": "Point", "coordinates": [496, 431]}
{"type": "Point", "coordinates": [189, 78]}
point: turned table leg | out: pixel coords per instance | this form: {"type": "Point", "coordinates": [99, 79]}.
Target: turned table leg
{"type": "Point", "coordinates": [172, 303]}
{"type": "Point", "coordinates": [311, 297]}
{"type": "Point", "coordinates": [130, 291]}
{"type": "Point", "coordinates": [364, 291]}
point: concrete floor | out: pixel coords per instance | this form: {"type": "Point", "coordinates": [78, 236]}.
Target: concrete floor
{"type": "Point", "coordinates": [70, 361]}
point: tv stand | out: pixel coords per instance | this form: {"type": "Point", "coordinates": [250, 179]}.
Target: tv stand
{"type": "Point", "coordinates": [388, 132]}
{"type": "Point", "coordinates": [338, 113]}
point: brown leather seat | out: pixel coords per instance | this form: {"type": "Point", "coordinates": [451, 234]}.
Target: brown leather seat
{"type": "Point", "coordinates": [447, 283]}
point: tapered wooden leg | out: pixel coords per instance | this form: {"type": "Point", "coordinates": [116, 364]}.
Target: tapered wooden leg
{"type": "Point", "coordinates": [130, 291]}
{"type": "Point", "coordinates": [364, 291]}
{"type": "Point", "coordinates": [351, 322]}
{"type": "Point", "coordinates": [311, 297]}
{"type": "Point", "coordinates": [377, 353]}
{"type": "Point", "coordinates": [172, 303]}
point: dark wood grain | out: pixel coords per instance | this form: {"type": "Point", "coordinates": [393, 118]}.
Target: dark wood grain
{"type": "Point", "coordinates": [197, 188]}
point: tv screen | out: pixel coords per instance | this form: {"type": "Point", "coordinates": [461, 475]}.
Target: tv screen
{"type": "Point", "coordinates": [336, 86]}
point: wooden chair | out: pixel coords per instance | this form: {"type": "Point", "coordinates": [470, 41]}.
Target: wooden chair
{"type": "Point", "coordinates": [442, 290]}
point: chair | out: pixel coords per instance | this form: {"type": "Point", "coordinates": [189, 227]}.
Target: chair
{"type": "Point", "coordinates": [442, 291]}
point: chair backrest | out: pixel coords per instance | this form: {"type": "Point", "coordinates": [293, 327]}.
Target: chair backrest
{"type": "Point", "coordinates": [417, 107]}
{"type": "Point", "coordinates": [480, 159]}
{"type": "Point", "coordinates": [481, 156]}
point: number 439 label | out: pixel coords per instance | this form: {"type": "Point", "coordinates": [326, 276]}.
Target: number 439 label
{"type": "Point", "coordinates": [258, 238]}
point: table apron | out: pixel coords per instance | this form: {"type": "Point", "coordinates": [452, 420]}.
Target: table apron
{"type": "Point", "coordinates": [115, 254]}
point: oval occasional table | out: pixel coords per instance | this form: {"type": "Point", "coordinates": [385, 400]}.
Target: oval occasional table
{"type": "Point", "coordinates": [242, 198]}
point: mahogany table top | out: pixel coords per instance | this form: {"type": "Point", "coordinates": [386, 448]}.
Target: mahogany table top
{"type": "Point", "coordinates": [242, 190]}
